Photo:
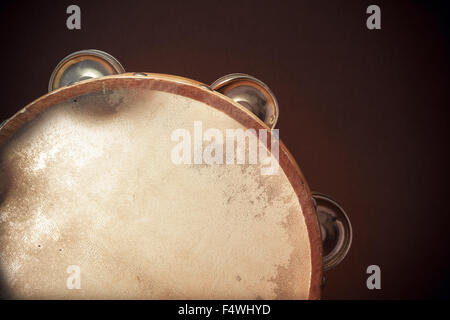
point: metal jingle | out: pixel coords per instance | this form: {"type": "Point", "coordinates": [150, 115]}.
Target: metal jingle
{"type": "Point", "coordinates": [83, 65]}
{"type": "Point", "coordinates": [335, 229]}
{"type": "Point", "coordinates": [252, 93]}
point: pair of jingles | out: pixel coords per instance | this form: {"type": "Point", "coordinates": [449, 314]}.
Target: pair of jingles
{"type": "Point", "coordinates": [92, 204]}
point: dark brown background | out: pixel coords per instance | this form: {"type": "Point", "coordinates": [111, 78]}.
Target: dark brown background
{"type": "Point", "coordinates": [364, 112]}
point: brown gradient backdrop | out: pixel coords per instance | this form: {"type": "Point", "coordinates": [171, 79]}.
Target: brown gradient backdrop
{"type": "Point", "coordinates": [363, 112]}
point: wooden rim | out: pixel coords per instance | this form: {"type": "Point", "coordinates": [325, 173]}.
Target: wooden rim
{"type": "Point", "coordinates": [200, 92]}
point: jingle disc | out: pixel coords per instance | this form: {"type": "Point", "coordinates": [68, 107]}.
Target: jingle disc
{"type": "Point", "coordinates": [83, 65]}
{"type": "Point", "coordinates": [252, 93]}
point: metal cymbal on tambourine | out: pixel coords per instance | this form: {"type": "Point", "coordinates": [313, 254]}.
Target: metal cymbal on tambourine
{"type": "Point", "coordinates": [84, 180]}
{"type": "Point", "coordinates": [336, 230]}
{"type": "Point", "coordinates": [252, 93]}
{"type": "Point", "coordinates": [83, 65]}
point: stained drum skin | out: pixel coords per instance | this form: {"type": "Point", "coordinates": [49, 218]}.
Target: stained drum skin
{"type": "Point", "coordinates": [90, 182]}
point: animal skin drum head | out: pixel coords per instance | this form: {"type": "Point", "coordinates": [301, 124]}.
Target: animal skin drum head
{"type": "Point", "coordinates": [88, 181]}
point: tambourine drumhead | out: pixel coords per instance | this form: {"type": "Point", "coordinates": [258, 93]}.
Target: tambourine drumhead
{"type": "Point", "coordinates": [87, 180]}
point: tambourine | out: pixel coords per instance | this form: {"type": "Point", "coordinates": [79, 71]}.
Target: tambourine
{"type": "Point", "coordinates": [137, 185]}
